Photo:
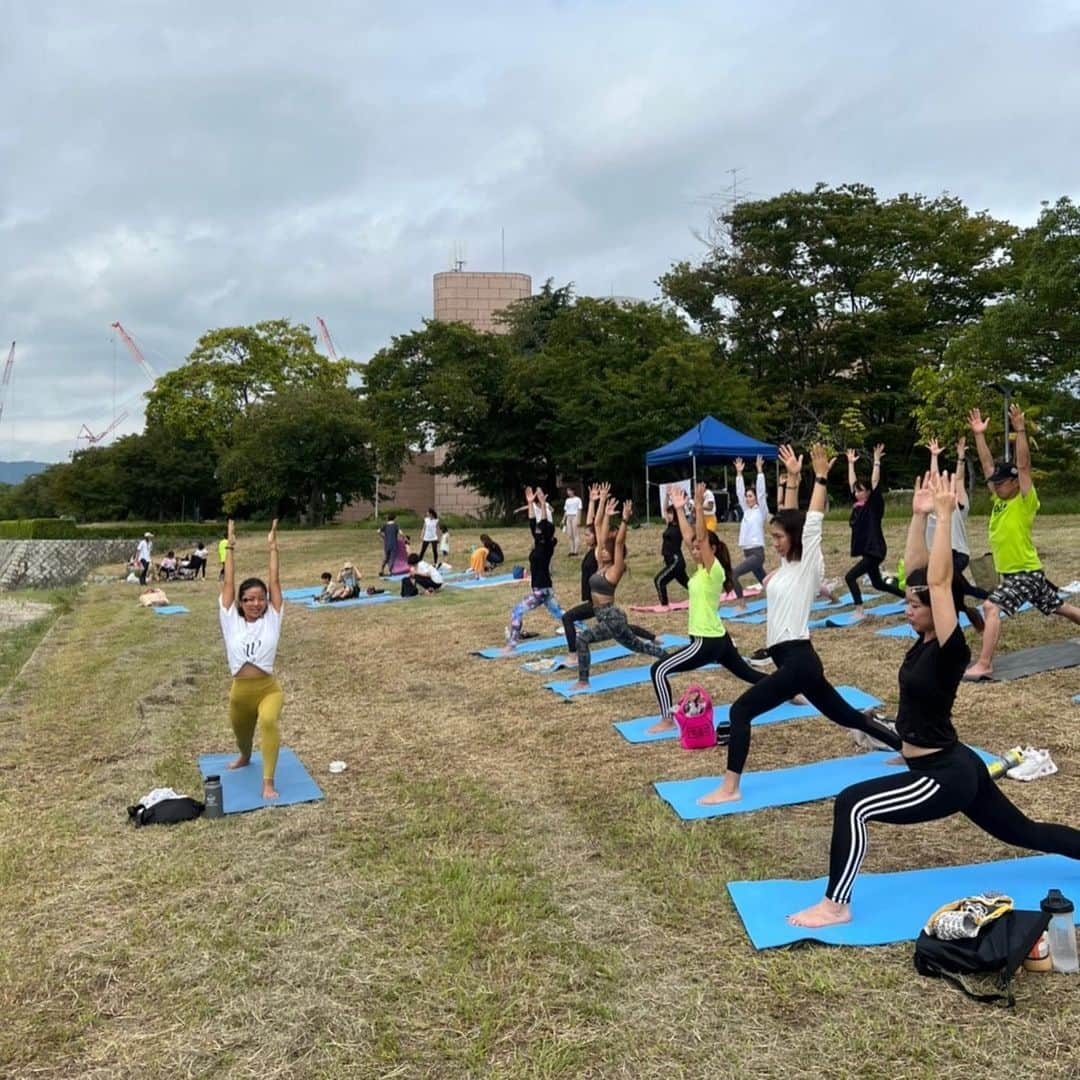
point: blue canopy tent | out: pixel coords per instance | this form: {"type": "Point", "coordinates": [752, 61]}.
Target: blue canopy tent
{"type": "Point", "coordinates": [709, 442]}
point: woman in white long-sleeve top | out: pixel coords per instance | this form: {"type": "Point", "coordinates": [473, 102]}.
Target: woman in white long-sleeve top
{"type": "Point", "coordinates": [755, 513]}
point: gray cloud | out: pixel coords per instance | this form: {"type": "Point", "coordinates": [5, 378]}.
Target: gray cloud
{"type": "Point", "coordinates": [180, 168]}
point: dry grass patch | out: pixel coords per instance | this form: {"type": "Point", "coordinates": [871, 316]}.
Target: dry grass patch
{"type": "Point", "coordinates": [490, 889]}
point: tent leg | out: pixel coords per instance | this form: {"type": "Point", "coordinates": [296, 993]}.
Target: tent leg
{"type": "Point", "coordinates": [648, 497]}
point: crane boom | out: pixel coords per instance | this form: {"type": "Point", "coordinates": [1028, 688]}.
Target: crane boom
{"type": "Point", "coordinates": [324, 333]}
{"type": "Point", "coordinates": [135, 351]}
{"type": "Point", "coordinates": [5, 381]}
{"type": "Point", "coordinates": [91, 438]}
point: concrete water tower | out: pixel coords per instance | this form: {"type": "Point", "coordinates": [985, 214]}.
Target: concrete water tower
{"type": "Point", "coordinates": [473, 297]}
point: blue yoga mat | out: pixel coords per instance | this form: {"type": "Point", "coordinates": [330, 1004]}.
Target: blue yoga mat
{"type": "Point", "coordinates": [171, 609]}
{"type": "Point", "coordinates": [618, 652]}
{"type": "Point", "coordinates": [905, 631]}
{"type": "Point", "coordinates": [356, 601]}
{"type": "Point", "coordinates": [780, 787]}
{"type": "Point", "coordinates": [894, 907]}
{"type": "Point", "coordinates": [609, 680]}
{"type": "Point", "coordinates": [755, 615]}
{"type": "Point", "coordinates": [302, 594]}
{"type": "Point", "coordinates": [734, 613]}
{"type": "Point", "coordinates": [484, 583]}
{"type": "Point", "coordinates": [241, 789]}
{"type": "Point", "coordinates": [530, 645]}
{"type": "Point", "coordinates": [849, 618]}
{"type": "Point", "coordinates": [636, 730]}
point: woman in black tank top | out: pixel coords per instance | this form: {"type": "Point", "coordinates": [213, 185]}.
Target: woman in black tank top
{"type": "Point", "coordinates": [611, 622]}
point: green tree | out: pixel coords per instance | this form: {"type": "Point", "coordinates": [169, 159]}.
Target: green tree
{"type": "Point", "coordinates": [305, 449]}
{"type": "Point", "coordinates": [833, 296]}
{"type": "Point", "coordinates": [232, 369]}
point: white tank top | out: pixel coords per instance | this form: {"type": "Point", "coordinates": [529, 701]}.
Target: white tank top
{"type": "Point", "coordinates": [250, 642]}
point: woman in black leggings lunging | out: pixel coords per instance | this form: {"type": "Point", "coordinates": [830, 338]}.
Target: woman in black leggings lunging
{"type": "Point", "coordinates": [792, 589]}
{"type": "Point", "coordinates": [867, 538]}
{"type": "Point", "coordinates": [710, 642]}
{"type": "Point", "coordinates": [943, 776]}
{"type": "Point", "coordinates": [674, 564]}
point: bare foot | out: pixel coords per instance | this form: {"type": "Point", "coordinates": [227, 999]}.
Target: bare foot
{"type": "Point", "coordinates": [825, 912]}
{"type": "Point", "coordinates": [858, 614]}
{"type": "Point", "coordinates": [896, 759]}
{"type": "Point", "coordinates": [570, 660]}
{"type": "Point", "coordinates": [740, 609]}
{"type": "Point", "coordinates": [661, 725]}
{"type": "Point", "coordinates": [581, 684]}
{"type": "Point", "coordinates": [269, 791]}
{"type": "Point", "coordinates": [508, 650]}
{"type": "Point", "coordinates": [722, 794]}
{"type": "Point", "coordinates": [978, 671]}
{"type": "Point", "coordinates": [798, 699]}
{"type": "Point", "coordinates": [240, 762]}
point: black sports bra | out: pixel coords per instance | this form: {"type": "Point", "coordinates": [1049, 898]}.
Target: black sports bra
{"type": "Point", "coordinates": [600, 585]}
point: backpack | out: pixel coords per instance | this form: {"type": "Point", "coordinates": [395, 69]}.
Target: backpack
{"type": "Point", "coordinates": [998, 949]}
{"type": "Point", "coordinates": [694, 715]}
{"type": "Point", "coordinates": [166, 812]}
{"type": "Point", "coordinates": [518, 572]}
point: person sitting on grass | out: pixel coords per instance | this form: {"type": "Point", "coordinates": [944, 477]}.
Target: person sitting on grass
{"type": "Point", "coordinates": [167, 567]}
{"type": "Point", "coordinates": [250, 618]}
{"type": "Point", "coordinates": [943, 776]}
{"type": "Point", "coordinates": [495, 557]}
{"type": "Point", "coordinates": [423, 577]}
{"type": "Point", "coordinates": [348, 586]}
{"type": "Point", "coordinates": [611, 622]}
{"type": "Point", "coordinates": [1012, 516]}
{"type": "Point", "coordinates": [327, 580]}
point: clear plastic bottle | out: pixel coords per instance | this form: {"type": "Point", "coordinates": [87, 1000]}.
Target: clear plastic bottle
{"type": "Point", "coordinates": [1061, 931]}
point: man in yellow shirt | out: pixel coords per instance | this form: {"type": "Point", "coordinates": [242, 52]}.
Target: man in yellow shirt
{"type": "Point", "coordinates": [1012, 515]}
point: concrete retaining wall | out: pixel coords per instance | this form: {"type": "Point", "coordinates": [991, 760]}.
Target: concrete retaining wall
{"type": "Point", "coordinates": [27, 564]}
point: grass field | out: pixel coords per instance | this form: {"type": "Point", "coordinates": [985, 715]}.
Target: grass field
{"type": "Point", "coordinates": [490, 889]}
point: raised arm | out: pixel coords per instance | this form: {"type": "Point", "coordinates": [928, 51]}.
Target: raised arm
{"type": "Point", "coordinates": [619, 564]}
{"type": "Point", "coordinates": [793, 472]}
{"type": "Point", "coordinates": [875, 474]}
{"type": "Point", "coordinates": [961, 478]}
{"type": "Point", "coordinates": [935, 453]}
{"type": "Point", "coordinates": [678, 500]}
{"type": "Point", "coordinates": [852, 457]}
{"type": "Point", "coordinates": [228, 585]}
{"type": "Point", "coordinates": [822, 463]}
{"type": "Point", "coordinates": [607, 507]}
{"type": "Point", "coordinates": [978, 426]}
{"type": "Point", "coordinates": [1023, 451]}
{"type": "Point", "coordinates": [276, 599]}
{"type": "Point", "coordinates": [940, 571]}
{"type": "Point", "coordinates": [594, 499]}
{"type": "Point", "coordinates": [740, 485]}
{"type": "Point", "coordinates": [705, 551]}
{"type": "Point", "coordinates": [922, 502]}
{"type": "Point", "coordinates": [762, 490]}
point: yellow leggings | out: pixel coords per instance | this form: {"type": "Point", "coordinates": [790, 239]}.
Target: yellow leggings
{"type": "Point", "coordinates": [257, 701]}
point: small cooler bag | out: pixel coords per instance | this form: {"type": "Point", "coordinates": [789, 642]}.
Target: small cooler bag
{"type": "Point", "coordinates": [694, 715]}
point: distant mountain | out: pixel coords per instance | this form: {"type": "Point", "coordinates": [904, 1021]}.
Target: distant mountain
{"type": "Point", "coordinates": [15, 472]}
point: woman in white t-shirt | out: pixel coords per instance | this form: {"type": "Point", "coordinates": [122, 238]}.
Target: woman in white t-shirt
{"type": "Point", "coordinates": [792, 589]}
{"type": "Point", "coordinates": [571, 517]}
{"type": "Point", "coordinates": [430, 535]}
{"type": "Point", "coordinates": [251, 625]}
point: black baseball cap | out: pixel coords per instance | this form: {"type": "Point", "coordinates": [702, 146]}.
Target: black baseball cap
{"type": "Point", "coordinates": [1003, 471]}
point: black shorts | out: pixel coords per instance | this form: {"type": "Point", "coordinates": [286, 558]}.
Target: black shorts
{"type": "Point", "coordinates": [1026, 586]}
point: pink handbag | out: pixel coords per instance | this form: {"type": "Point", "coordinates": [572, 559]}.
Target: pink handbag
{"type": "Point", "coordinates": [694, 715]}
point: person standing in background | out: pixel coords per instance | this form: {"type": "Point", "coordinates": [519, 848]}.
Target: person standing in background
{"type": "Point", "coordinates": [142, 554]}
{"type": "Point", "coordinates": [571, 517]}
{"type": "Point", "coordinates": [388, 530]}
{"type": "Point", "coordinates": [430, 535]}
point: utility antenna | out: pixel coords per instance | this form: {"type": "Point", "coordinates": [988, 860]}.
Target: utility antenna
{"type": "Point", "coordinates": [734, 173]}
{"type": "Point", "coordinates": [459, 255]}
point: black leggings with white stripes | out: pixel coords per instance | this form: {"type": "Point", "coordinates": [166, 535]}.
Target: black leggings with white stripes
{"type": "Point", "coordinates": [674, 570]}
{"type": "Point", "coordinates": [952, 781]}
{"type": "Point", "coordinates": [798, 671]}
{"type": "Point", "coordinates": [700, 651]}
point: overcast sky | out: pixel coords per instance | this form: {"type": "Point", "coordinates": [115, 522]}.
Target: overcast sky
{"type": "Point", "coordinates": [190, 165]}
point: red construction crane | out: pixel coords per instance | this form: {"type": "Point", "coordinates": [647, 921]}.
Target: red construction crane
{"type": "Point", "coordinates": [6, 380]}
{"type": "Point", "coordinates": [328, 341]}
{"type": "Point", "coordinates": [135, 351]}
{"type": "Point", "coordinates": [91, 438]}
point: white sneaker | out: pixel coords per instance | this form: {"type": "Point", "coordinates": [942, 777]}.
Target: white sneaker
{"type": "Point", "coordinates": [1036, 764]}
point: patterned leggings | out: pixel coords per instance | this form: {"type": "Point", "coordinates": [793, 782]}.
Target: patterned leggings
{"type": "Point", "coordinates": [611, 624]}
{"type": "Point", "coordinates": [535, 599]}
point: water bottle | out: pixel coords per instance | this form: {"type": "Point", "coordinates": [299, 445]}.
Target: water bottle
{"type": "Point", "coordinates": [1001, 765]}
{"type": "Point", "coordinates": [212, 797]}
{"type": "Point", "coordinates": [1061, 931]}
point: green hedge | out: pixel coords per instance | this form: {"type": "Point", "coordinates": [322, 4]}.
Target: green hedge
{"type": "Point", "coordinates": [39, 529]}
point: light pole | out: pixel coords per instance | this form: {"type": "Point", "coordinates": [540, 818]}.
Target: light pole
{"type": "Point", "coordinates": [1006, 392]}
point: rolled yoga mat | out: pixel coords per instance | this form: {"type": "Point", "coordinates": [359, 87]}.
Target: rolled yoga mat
{"type": "Point", "coordinates": [636, 730]}
{"type": "Point", "coordinates": [781, 787]}
{"type": "Point", "coordinates": [894, 907]}
{"type": "Point", "coordinates": [241, 789]}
